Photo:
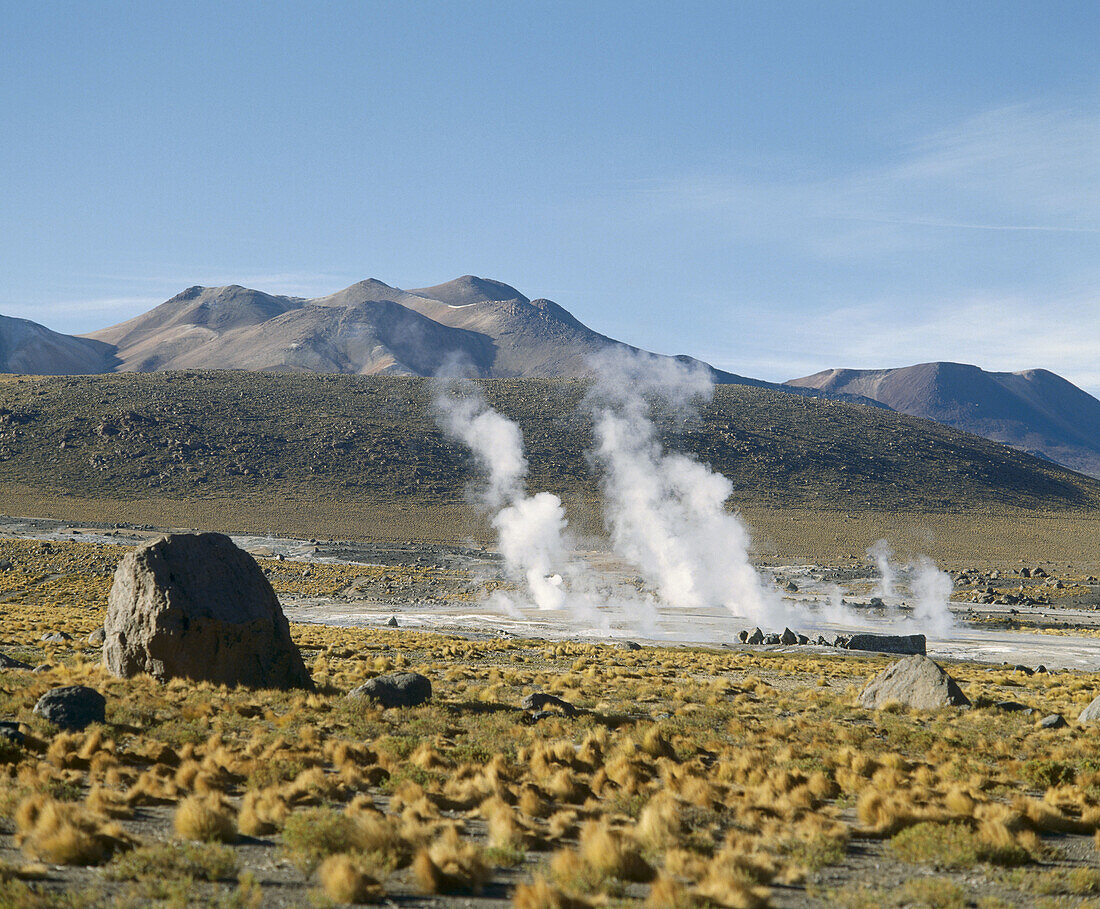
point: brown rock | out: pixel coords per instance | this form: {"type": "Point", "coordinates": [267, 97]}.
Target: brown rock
{"type": "Point", "coordinates": [195, 606]}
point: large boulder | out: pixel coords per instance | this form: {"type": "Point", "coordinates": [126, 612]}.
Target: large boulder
{"type": "Point", "coordinates": [195, 606]}
{"type": "Point", "coordinates": [888, 643]}
{"type": "Point", "coordinates": [72, 707]}
{"type": "Point", "coordinates": [1090, 714]}
{"type": "Point", "coordinates": [398, 689]}
{"type": "Point", "coordinates": [915, 682]}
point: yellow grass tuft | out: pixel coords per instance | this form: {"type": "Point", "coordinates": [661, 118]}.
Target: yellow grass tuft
{"type": "Point", "coordinates": [450, 865]}
{"type": "Point", "coordinates": [344, 880]}
{"type": "Point", "coordinates": [204, 819]}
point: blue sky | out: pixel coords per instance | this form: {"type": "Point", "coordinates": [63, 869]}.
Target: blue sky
{"type": "Point", "coordinates": [775, 187]}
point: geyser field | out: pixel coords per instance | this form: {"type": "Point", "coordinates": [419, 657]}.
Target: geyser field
{"type": "Point", "coordinates": [520, 533]}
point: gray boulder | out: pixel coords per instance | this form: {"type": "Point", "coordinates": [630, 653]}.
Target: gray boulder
{"type": "Point", "coordinates": [7, 662]}
{"type": "Point", "coordinates": [10, 732]}
{"type": "Point", "coordinates": [788, 637]}
{"type": "Point", "coordinates": [757, 637]}
{"type": "Point", "coordinates": [195, 606]}
{"type": "Point", "coordinates": [72, 707]}
{"type": "Point", "coordinates": [97, 637]}
{"type": "Point", "coordinates": [772, 638]}
{"type": "Point", "coordinates": [888, 643]}
{"type": "Point", "coordinates": [1090, 714]}
{"type": "Point", "coordinates": [916, 682]}
{"type": "Point", "coordinates": [1053, 721]}
{"type": "Point", "coordinates": [398, 689]}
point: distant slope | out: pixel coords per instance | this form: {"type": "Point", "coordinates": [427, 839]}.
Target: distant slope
{"type": "Point", "coordinates": [1035, 410]}
{"type": "Point", "coordinates": [30, 348]}
{"type": "Point", "coordinates": [315, 437]}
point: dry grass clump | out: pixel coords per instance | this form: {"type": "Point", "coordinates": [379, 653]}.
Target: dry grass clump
{"type": "Point", "coordinates": [612, 853]}
{"type": "Point", "coordinates": [541, 894]}
{"type": "Point", "coordinates": [344, 880]}
{"type": "Point", "coordinates": [956, 845]}
{"type": "Point", "coordinates": [66, 834]}
{"type": "Point", "coordinates": [450, 865]}
{"type": "Point", "coordinates": [205, 819]}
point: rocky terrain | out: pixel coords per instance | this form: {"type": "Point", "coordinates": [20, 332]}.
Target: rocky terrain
{"type": "Point", "coordinates": [524, 772]}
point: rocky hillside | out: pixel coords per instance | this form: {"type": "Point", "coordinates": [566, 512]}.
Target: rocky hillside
{"type": "Point", "coordinates": [223, 434]}
{"type": "Point", "coordinates": [1035, 411]}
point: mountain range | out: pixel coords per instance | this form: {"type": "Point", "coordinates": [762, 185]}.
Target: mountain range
{"type": "Point", "coordinates": [488, 329]}
{"type": "Point", "coordinates": [1034, 410]}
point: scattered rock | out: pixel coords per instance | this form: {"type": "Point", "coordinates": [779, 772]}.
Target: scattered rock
{"type": "Point", "coordinates": [757, 637]}
{"type": "Point", "coordinates": [1054, 721]}
{"type": "Point", "coordinates": [916, 682]}
{"type": "Point", "coordinates": [72, 707]}
{"type": "Point", "coordinates": [629, 645]}
{"type": "Point", "coordinates": [743, 636]}
{"type": "Point", "coordinates": [5, 565]}
{"type": "Point", "coordinates": [9, 732]}
{"type": "Point", "coordinates": [1041, 668]}
{"type": "Point", "coordinates": [1091, 714]}
{"type": "Point", "coordinates": [196, 606]}
{"type": "Point", "coordinates": [398, 689]}
{"type": "Point", "coordinates": [392, 623]}
{"type": "Point", "coordinates": [802, 639]}
{"type": "Point", "coordinates": [772, 638]}
{"type": "Point", "coordinates": [1011, 706]}
{"type": "Point", "coordinates": [539, 701]}
{"type": "Point", "coordinates": [1024, 670]}
{"type": "Point", "coordinates": [788, 637]}
{"type": "Point", "coordinates": [97, 637]}
{"type": "Point", "coordinates": [7, 662]}
{"type": "Point", "coordinates": [56, 637]}
{"type": "Point", "coordinates": [887, 643]}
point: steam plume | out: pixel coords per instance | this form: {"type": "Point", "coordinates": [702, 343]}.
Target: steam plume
{"type": "Point", "coordinates": [530, 529]}
{"type": "Point", "coordinates": [666, 512]}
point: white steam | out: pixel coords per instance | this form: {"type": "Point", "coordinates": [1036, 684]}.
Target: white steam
{"type": "Point", "coordinates": [530, 529]}
{"type": "Point", "coordinates": [880, 551]}
{"type": "Point", "coordinates": [931, 589]}
{"type": "Point", "coordinates": [665, 512]}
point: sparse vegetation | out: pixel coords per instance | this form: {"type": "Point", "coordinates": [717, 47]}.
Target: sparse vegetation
{"type": "Point", "coordinates": [694, 777]}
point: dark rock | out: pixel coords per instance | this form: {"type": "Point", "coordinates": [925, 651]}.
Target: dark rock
{"type": "Point", "coordinates": [788, 637]}
{"type": "Point", "coordinates": [629, 645]}
{"type": "Point", "coordinates": [772, 638]}
{"type": "Point", "coordinates": [802, 639]}
{"type": "Point", "coordinates": [539, 701]}
{"type": "Point", "coordinates": [821, 640]}
{"type": "Point", "coordinates": [72, 707]}
{"type": "Point", "coordinates": [888, 643]}
{"type": "Point", "coordinates": [9, 732]}
{"type": "Point", "coordinates": [7, 662]}
{"type": "Point", "coordinates": [1011, 706]}
{"type": "Point", "coordinates": [56, 637]}
{"type": "Point", "coordinates": [876, 602]}
{"type": "Point", "coordinates": [757, 637]}
{"type": "Point", "coordinates": [195, 606]}
{"type": "Point", "coordinates": [392, 623]}
{"type": "Point", "coordinates": [916, 682]}
{"type": "Point", "coordinates": [43, 667]}
{"type": "Point", "coordinates": [1023, 669]}
{"type": "Point", "coordinates": [1054, 721]}
{"type": "Point", "coordinates": [97, 637]}
{"type": "Point", "coordinates": [1041, 668]}
{"type": "Point", "coordinates": [398, 689]}
{"type": "Point", "coordinates": [743, 636]}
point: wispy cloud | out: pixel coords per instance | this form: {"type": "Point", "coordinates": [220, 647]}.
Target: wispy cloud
{"type": "Point", "coordinates": [1014, 168]}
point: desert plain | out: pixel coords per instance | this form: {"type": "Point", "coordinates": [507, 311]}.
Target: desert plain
{"type": "Point", "coordinates": [689, 770]}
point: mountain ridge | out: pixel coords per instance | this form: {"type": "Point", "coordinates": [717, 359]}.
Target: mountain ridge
{"type": "Point", "coordinates": [1034, 410]}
